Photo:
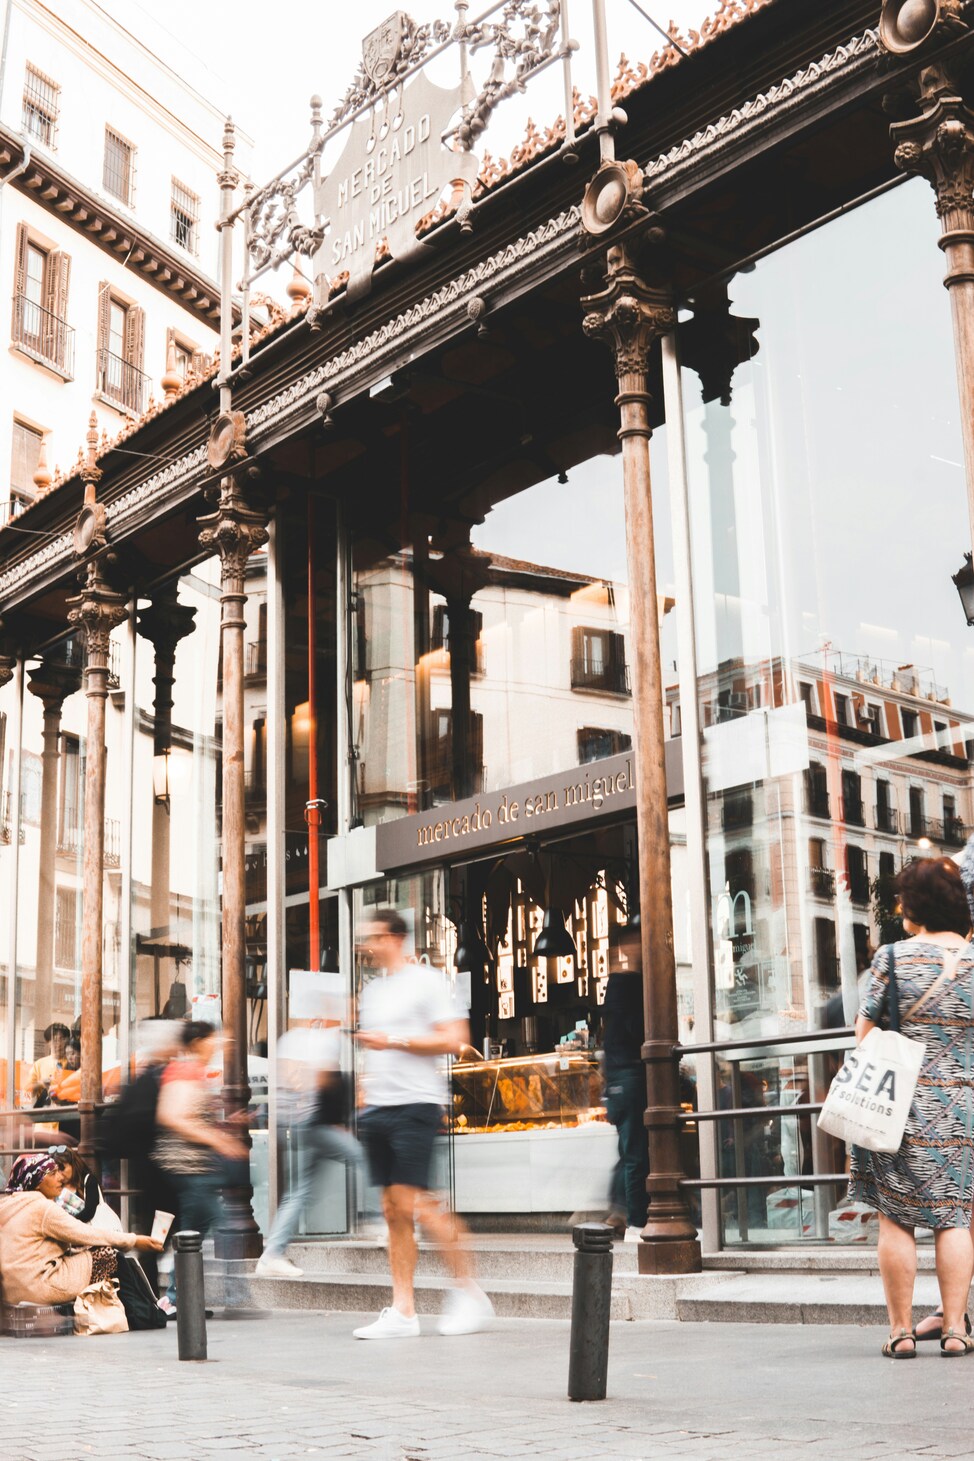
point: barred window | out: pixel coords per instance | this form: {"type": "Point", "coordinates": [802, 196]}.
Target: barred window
{"type": "Point", "coordinates": [184, 216]}
{"type": "Point", "coordinates": [119, 169]}
{"type": "Point", "coordinates": [41, 97]}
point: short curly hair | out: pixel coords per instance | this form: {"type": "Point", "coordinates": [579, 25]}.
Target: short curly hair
{"type": "Point", "coordinates": [932, 895]}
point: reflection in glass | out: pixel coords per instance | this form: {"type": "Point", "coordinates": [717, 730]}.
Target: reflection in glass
{"type": "Point", "coordinates": [827, 511]}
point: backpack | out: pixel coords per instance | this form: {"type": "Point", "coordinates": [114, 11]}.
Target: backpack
{"type": "Point", "coordinates": [128, 1126]}
{"type": "Point", "coordinates": [135, 1291]}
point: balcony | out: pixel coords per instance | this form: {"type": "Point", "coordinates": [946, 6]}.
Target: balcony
{"type": "Point", "coordinates": [5, 827]}
{"type": "Point", "coordinates": [887, 820]}
{"type": "Point", "coordinates": [853, 812]}
{"type": "Point", "coordinates": [121, 383]}
{"type": "Point", "coordinates": [42, 336]}
{"type": "Point", "coordinates": [821, 882]}
{"type": "Point", "coordinates": [859, 890]}
{"type": "Point", "coordinates": [113, 843]}
{"type": "Point", "coordinates": [612, 677]}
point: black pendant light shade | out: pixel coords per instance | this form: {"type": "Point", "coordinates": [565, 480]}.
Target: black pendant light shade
{"type": "Point", "coordinates": [554, 941]}
{"type": "Point", "coordinates": [472, 955]}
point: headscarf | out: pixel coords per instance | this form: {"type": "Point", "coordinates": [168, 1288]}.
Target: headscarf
{"type": "Point", "coordinates": [29, 1171]}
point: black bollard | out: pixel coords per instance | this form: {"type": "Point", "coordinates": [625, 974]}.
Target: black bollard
{"type": "Point", "coordinates": [588, 1361]}
{"type": "Point", "coordinates": [190, 1298]}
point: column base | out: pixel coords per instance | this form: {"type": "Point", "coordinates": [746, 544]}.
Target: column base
{"type": "Point", "coordinates": [669, 1255]}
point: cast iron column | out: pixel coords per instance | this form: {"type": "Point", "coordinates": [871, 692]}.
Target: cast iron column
{"type": "Point", "coordinates": [97, 611]}
{"type": "Point", "coordinates": [628, 316]}
{"type": "Point", "coordinates": [52, 683]}
{"type": "Point", "coordinates": [163, 625]}
{"type": "Point", "coordinates": [234, 531]}
{"type": "Point", "coordinates": [939, 145]}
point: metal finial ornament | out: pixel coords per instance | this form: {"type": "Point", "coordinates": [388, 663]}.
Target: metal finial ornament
{"type": "Point", "coordinates": [42, 473]}
{"type": "Point", "coordinates": [172, 381]}
{"type": "Point", "coordinates": [91, 472]}
{"type": "Point", "coordinates": [906, 26]}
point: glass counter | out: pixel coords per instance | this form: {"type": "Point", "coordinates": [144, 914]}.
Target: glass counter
{"type": "Point", "coordinates": [538, 1092]}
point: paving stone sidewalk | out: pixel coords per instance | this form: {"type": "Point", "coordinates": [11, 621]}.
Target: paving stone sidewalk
{"type": "Point", "coordinates": [290, 1385]}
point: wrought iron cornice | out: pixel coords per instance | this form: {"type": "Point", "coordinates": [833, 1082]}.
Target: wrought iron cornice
{"type": "Point", "coordinates": [371, 84]}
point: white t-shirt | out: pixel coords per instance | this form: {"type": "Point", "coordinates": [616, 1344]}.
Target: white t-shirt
{"type": "Point", "coordinates": [406, 1004]}
{"type": "Point", "coordinates": [303, 1054]}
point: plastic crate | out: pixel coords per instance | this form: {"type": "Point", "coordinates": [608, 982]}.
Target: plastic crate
{"type": "Point", "coordinates": [36, 1321]}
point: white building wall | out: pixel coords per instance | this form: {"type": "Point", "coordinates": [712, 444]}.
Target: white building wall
{"type": "Point", "coordinates": [107, 77]}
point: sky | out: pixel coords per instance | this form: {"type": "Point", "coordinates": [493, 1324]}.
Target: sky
{"type": "Point", "coordinates": [264, 72]}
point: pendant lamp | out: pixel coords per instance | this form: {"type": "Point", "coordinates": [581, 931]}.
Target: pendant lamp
{"type": "Point", "coordinates": [554, 941]}
{"type": "Point", "coordinates": [472, 953]}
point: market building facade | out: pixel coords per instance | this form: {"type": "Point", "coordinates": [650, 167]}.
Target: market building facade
{"type": "Point", "coordinates": [430, 600]}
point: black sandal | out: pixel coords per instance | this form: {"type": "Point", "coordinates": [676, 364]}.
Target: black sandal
{"type": "Point", "coordinates": [891, 1347]}
{"type": "Point", "coordinates": [956, 1354]}
{"type": "Point", "coordinates": [938, 1333]}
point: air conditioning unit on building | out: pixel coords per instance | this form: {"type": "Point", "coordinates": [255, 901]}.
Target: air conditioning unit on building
{"type": "Point", "coordinates": [867, 712]}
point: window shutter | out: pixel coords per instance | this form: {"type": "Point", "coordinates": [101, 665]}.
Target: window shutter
{"type": "Point", "coordinates": [104, 308]}
{"type": "Point", "coordinates": [20, 277]}
{"type": "Point", "coordinates": [57, 278]}
{"type": "Point", "coordinates": [135, 337]}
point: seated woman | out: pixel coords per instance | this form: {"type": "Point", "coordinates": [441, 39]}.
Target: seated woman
{"type": "Point", "coordinates": [65, 1087]}
{"type": "Point", "coordinates": [81, 1195]}
{"type": "Point", "coordinates": [40, 1261]}
{"type": "Point", "coordinates": [83, 1198]}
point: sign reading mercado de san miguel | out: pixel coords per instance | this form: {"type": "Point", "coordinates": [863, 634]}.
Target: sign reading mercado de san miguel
{"type": "Point", "coordinates": [394, 166]}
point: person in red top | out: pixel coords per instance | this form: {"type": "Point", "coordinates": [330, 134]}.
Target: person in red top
{"type": "Point", "coordinates": [191, 1146]}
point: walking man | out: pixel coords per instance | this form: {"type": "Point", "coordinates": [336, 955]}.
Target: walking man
{"type": "Point", "coordinates": [407, 1024]}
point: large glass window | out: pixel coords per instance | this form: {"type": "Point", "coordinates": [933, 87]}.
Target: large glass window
{"type": "Point", "coordinates": [836, 686]}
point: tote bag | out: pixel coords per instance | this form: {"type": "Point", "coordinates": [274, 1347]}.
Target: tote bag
{"type": "Point", "coordinates": [98, 1310]}
{"type": "Point", "coordinates": [870, 1098]}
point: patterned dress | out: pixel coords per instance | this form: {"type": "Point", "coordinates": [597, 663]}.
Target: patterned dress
{"type": "Point", "coordinates": [929, 1182]}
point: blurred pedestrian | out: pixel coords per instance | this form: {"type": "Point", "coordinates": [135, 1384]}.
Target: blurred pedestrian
{"type": "Point", "coordinates": [313, 1104]}
{"type": "Point", "coordinates": [127, 1129]}
{"type": "Point", "coordinates": [625, 1082]}
{"type": "Point", "coordinates": [191, 1146]}
{"type": "Point", "coordinates": [407, 1023]}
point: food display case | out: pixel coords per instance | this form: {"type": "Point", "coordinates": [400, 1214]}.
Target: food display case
{"type": "Point", "coordinates": [531, 1135]}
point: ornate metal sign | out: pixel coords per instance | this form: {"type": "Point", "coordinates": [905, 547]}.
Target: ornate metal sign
{"type": "Point", "coordinates": [388, 177]}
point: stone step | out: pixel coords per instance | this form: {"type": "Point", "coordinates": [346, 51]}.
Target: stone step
{"type": "Point", "coordinates": [796, 1298]}
{"type": "Point", "coordinates": [532, 1261]}
{"type": "Point", "coordinates": [367, 1293]}
{"type": "Point", "coordinates": [799, 1258]}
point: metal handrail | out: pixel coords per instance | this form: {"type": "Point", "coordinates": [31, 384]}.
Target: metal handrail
{"type": "Point", "coordinates": [757, 1042]}
{"type": "Point", "coordinates": [744, 1112]}
{"type": "Point", "coordinates": [790, 1179]}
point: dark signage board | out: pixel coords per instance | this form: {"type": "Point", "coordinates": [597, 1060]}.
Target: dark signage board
{"type": "Point", "coordinates": [582, 794]}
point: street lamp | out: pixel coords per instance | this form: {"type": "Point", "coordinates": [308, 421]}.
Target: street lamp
{"type": "Point", "coordinates": [964, 583]}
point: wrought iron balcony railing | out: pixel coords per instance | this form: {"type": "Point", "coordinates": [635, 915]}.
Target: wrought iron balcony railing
{"type": "Point", "coordinates": [121, 382]}
{"type": "Point", "coordinates": [43, 336]}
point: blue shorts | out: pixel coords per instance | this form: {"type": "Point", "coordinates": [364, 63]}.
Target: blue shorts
{"type": "Point", "coordinates": [399, 1142]}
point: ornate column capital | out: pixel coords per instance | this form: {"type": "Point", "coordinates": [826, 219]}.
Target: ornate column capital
{"type": "Point", "coordinates": [234, 531]}
{"type": "Point", "coordinates": [97, 610]}
{"type": "Point", "coordinates": [939, 146]}
{"type": "Point", "coordinates": [7, 664]}
{"type": "Point", "coordinates": [166, 622]}
{"type": "Point", "coordinates": [52, 682]}
{"type": "Point", "coordinates": [627, 315]}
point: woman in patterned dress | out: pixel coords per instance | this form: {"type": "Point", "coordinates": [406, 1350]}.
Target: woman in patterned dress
{"type": "Point", "coordinates": [929, 1182]}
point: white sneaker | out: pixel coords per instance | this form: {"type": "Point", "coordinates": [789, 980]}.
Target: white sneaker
{"type": "Point", "coordinates": [276, 1266]}
{"type": "Point", "coordinates": [389, 1325]}
{"type": "Point", "coordinates": [467, 1311]}
{"type": "Point", "coordinates": [633, 1235]}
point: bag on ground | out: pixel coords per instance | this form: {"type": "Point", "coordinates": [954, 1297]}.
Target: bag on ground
{"type": "Point", "coordinates": [98, 1310]}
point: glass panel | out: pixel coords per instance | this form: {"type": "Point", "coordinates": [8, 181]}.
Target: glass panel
{"type": "Point", "coordinates": [467, 642]}
{"type": "Point", "coordinates": [50, 879]}
{"type": "Point", "coordinates": [8, 853]}
{"type": "Point", "coordinates": [835, 688]}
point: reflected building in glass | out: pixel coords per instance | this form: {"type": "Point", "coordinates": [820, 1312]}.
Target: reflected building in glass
{"type": "Point", "coordinates": [427, 690]}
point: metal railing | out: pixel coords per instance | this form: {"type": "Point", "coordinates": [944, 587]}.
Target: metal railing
{"type": "Point", "coordinates": [122, 382]}
{"type": "Point", "coordinates": [734, 1053]}
{"type": "Point", "coordinates": [611, 676]}
{"type": "Point", "coordinates": [887, 819]}
{"type": "Point", "coordinates": [821, 882]}
{"type": "Point", "coordinates": [43, 336]}
{"type": "Point", "coordinates": [817, 803]}
{"type": "Point", "coordinates": [113, 842]}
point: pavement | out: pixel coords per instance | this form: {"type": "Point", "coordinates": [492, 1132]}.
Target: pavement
{"type": "Point", "coordinates": [285, 1385]}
